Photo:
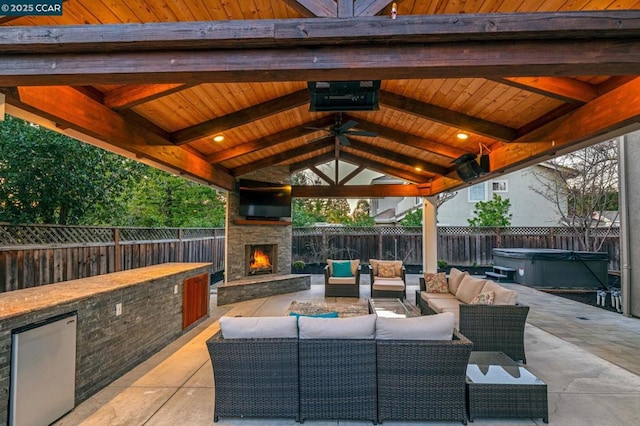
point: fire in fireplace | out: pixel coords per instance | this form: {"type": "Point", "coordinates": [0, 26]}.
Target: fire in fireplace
{"type": "Point", "coordinates": [261, 259]}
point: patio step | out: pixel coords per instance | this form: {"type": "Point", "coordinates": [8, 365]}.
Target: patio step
{"type": "Point", "coordinates": [495, 275]}
{"type": "Point", "coordinates": [509, 273]}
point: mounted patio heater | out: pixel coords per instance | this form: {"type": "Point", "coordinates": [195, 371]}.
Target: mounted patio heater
{"type": "Point", "coordinates": [336, 96]}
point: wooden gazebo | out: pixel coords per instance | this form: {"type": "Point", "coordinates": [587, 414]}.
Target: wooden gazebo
{"type": "Point", "coordinates": [157, 80]}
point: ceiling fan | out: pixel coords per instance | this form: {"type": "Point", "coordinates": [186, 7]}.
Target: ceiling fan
{"type": "Point", "coordinates": [340, 131]}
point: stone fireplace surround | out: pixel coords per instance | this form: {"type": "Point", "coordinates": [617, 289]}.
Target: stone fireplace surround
{"type": "Point", "coordinates": [241, 233]}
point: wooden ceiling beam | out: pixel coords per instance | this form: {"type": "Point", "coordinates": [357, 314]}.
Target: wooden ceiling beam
{"type": "Point", "coordinates": [351, 175]}
{"type": "Point", "coordinates": [389, 155]}
{"type": "Point", "coordinates": [86, 116]}
{"type": "Point", "coordinates": [359, 191]}
{"type": "Point", "coordinates": [305, 164]}
{"type": "Point", "coordinates": [321, 175]}
{"type": "Point", "coordinates": [443, 150]}
{"type": "Point", "coordinates": [491, 59]}
{"type": "Point", "coordinates": [370, 7]}
{"type": "Point", "coordinates": [447, 116]}
{"type": "Point", "coordinates": [241, 117]}
{"type": "Point", "coordinates": [314, 8]}
{"type": "Point", "coordinates": [280, 157]}
{"type": "Point", "coordinates": [269, 140]}
{"type": "Point", "coordinates": [565, 27]}
{"type": "Point", "coordinates": [564, 89]}
{"type": "Point", "coordinates": [383, 168]}
{"type": "Point", "coordinates": [608, 115]}
{"type": "Point", "coordinates": [128, 96]}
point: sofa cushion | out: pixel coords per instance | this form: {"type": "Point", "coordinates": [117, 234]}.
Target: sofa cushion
{"type": "Point", "coordinates": [439, 305]}
{"type": "Point", "coordinates": [469, 288]}
{"type": "Point", "coordinates": [397, 266]}
{"type": "Point", "coordinates": [389, 284]}
{"type": "Point", "coordinates": [484, 298]}
{"type": "Point", "coordinates": [258, 327]}
{"type": "Point", "coordinates": [455, 277]}
{"type": "Point", "coordinates": [436, 283]}
{"type": "Point", "coordinates": [427, 327]}
{"type": "Point", "coordinates": [502, 296]}
{"type": "Point", "coordinates": [354, 265]}
{"type": "Point", "coordinates": [336, 280]}
{"type": "Point", "coordinates": [342, 269]}
{"type": "Point", "coordinates": [360, 327]}
{"type": "Point", "coordinates": [426, 295]}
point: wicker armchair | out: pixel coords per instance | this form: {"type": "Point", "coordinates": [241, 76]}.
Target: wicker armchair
{"type": "Point", "coordinates": [388, 287]}
{"type": "Point", "coordinates": [342, 286]}
{"type": "Point", "coordinates": [422, 380]}
{"type": "Point", "coordinates": [338, 379]}
{"type": "Point", "coordinates": [255, 377]}
{"type": "Point", "coordinates": [497, 328]}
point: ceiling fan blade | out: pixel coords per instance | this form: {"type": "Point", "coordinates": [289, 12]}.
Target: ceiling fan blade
{"type": "Point", "coordinates": [316, 128]}
{"type": "Point", "coordinates": [344, 141]}
{"type": "Point", "coordinates": [321, 138]}
{"type": "Point", "coordinates": [346, 126]}
{"type": "Point", "coordinates": [360, 133]}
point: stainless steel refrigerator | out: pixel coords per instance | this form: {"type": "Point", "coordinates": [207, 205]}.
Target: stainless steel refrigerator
{"type": "Point", "coordinates": [43, 371]}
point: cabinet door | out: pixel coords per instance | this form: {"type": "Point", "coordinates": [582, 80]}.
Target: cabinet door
{"type": "Point", "coordinates": [195, 299]}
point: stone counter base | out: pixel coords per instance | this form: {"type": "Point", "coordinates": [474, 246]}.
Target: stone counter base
{"type": "Point", "coordinates": [262, 286]}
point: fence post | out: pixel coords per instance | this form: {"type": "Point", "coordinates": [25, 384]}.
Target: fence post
{"type": "Point", "coordinates": [180, 243]}
{"type": "Point", "coordinates": [117, 261]}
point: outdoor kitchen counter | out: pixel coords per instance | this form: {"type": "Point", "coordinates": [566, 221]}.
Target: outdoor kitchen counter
{"type": "Point", "coordinates": [19, 302]}
{"type": "Point", "coordinates": [123, 319]}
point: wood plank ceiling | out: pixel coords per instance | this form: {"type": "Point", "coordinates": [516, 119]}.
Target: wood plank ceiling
{"type": "Point", "coordinates": [158, 79]}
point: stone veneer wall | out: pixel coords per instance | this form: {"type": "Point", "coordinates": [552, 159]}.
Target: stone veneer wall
{"type": "Point", "coordinates": [108, 346]}
{"type": "Point", "coordinates": [240, 235]}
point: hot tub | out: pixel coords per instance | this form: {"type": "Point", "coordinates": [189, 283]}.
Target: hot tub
{"type": "Point", "coordinates": [550, 268]}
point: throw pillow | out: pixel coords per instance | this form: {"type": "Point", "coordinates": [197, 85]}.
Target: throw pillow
{"type": "Point", "coordinates": [436, 283]}
{"type": "Point", "coordinates": [386, 270]}
{"type": "Point", "coordinates": [484, 298]}
{"type": "Point", "coordinates": [342, 269]}
{"type": "Point", "coordinates": [333, 314]}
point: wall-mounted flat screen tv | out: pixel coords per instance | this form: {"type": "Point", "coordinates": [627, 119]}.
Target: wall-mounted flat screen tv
{"type": "Point", "coordinates": [263, 200]}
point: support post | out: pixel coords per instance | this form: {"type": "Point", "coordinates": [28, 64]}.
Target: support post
{"type": "Point", "coordinates": [429, 235]}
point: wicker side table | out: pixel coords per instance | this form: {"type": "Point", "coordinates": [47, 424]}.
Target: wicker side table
{"type": "Point", "coordinates": [498, 387]}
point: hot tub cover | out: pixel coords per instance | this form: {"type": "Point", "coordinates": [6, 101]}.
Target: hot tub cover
{"type": "Point", "coordinates": [550, 254]}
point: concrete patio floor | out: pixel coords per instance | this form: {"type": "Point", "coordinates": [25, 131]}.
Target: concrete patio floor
{"type": "Point", "coordinates": [589, 358]}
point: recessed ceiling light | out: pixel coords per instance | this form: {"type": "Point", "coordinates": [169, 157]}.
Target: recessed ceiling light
{"type": "Point", "coordinates": [462, 135]}
{"type": "Point", "coordinates": [218, 138]}
{"type": "Point", "coordinates": [418, 169]}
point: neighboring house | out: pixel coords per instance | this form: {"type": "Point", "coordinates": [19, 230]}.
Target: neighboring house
{"type": "Point", "coordinates": [527, 206]}
{"type": "Point", "coordinates": [391, 210]}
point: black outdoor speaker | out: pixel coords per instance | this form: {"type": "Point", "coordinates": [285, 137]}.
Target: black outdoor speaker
{"type": "Point", "coordinates": [469, 170]}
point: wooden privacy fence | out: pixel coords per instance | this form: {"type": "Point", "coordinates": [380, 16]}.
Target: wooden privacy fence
{"type": "Point", "coordinates": [456, 245]}
{"type": "Point", "coordinates": [35, 255]}
{"type": "Point", "coordinates": [42, 254]}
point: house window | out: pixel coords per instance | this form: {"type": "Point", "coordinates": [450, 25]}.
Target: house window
{"type": "Point", "coordinates": [500, 186]}
{"type": "Point", "coordinates": [478, 192]}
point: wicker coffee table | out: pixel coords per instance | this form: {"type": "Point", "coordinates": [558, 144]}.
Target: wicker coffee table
{"type": "Point", "coordinates": [498, 387]}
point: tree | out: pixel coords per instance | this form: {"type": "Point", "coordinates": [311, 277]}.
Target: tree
{"type": "Point", "coordinates": [163, 200]}
{"type": "Point", "coordinates": [413, 218]}
{"type": "Point", "coordinates": [308, 211]}
{"type": "Point", "coordinates": [47, 177]}
{"type": "Point", "coordinates": [361, 215]}
{"type": "Point", "coordinates": [494, 212]}
{"type": "Point", "coordinates": [583, 187]}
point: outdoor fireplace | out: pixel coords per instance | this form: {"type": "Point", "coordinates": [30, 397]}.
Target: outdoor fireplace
{"type": "Point", "coordinates": [261, 259]}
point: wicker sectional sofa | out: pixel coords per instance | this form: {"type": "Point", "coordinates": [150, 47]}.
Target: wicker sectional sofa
{"type": "Point", "coordinates": [355, 368]}
{"type": "Point", "coordinates": [498, 326]}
